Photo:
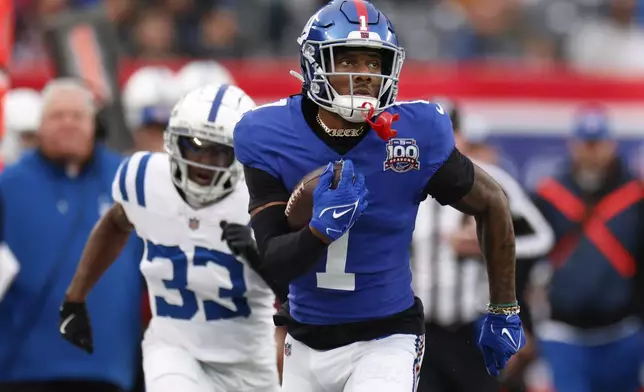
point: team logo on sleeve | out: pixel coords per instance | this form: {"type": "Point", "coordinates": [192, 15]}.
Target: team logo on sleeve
{"type": "Point", "coordinates": [402, 155]}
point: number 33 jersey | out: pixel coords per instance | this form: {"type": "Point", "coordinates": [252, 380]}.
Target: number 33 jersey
{"type": "Point", "coordinates": [203, 298]}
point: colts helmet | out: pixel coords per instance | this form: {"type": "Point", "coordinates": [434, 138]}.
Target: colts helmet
{"type": "Point", "coordinates": [148, 96]}
{"type": "Point", "coordinates": [349, 24]}
{"type": "Point", "coordinates": [201, 72]}
{"type": "Point", "coordinates": [22, 114]}
{"type": "Point", "coordinates": [204, 120]}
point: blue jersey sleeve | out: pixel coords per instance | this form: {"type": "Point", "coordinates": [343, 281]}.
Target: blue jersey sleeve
{"type": "Point", "coordinates": [432, 129]}
{"type": "Point", "coordinates": [252, 138]}
{"type": "Point", "coordinates": [451, 174]}
{"type": "Point", "coordinates": [441, 138]}
{"type": "Point", "coordinates": [128, 185]}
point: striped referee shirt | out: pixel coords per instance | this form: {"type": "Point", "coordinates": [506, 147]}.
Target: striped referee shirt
{"type": "Point", "coordinates": [454, 290]}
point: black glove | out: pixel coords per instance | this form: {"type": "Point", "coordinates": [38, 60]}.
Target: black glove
{"type": "Point", "coordinates": [74, 325]}
{"type": "Point", "coordinates": [240, 241]}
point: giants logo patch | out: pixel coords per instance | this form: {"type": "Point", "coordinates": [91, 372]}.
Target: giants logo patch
{"type": "Point", "coordinates": [402, 155]}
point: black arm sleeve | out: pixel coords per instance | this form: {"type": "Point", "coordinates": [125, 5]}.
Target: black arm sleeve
{"type": "Point", "coordinates": [284, 255]}
{"type": "Point", "coordinates": [452, 180]}
{"type": "Point", "coordinates": [263, 188]}
{"type": "Point", "coordinates": [280, 290]}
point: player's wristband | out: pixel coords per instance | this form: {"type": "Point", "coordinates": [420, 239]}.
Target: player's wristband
{"type": "Point", "coordinates": [504, 309]}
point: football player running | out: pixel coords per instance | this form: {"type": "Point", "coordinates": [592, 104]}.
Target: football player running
{"type": "Point", "coordinates": [211, 326]}
{"type": "Point", "coordinates": [353, 322]}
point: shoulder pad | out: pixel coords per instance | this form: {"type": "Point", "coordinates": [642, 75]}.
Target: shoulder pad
{"type": "Point", "coordinates": [432, 127]}
{"type": "Point", "coordinates": [271, 106]}
{"type": "Point", "coordinates": [421, 109]}
{"type": "Point", "coordinates": [128, 185]}
{"type": "Point", "coordinates": [254, 132]}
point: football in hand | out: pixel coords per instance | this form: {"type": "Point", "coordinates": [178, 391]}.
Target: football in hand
{"type": "Point", "coordinates": [300, 205]}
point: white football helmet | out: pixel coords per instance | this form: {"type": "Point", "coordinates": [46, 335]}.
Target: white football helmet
{"type": "Point", "coordinates": [22, 114]}
{"type": "Point", "coordinates": [199, 141]}
{"type": "Point", "coordinates": [475, 129]}
{"type": "Point", "coordinates": [149, 95]}
{"type": "Point", "coordinates": [202, 72]}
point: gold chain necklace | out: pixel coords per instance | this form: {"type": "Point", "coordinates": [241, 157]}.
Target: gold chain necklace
{"type": "Point", "coordinates": [344, 132]}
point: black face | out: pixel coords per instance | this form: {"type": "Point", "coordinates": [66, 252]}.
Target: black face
{"type": "Point", "coordinates": [205, 153]}
{"type": "Point", "coordinates": [360, 62]}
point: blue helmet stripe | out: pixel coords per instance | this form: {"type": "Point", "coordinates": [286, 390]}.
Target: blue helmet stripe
{"type": "Point", "coordinates": [363, 15]}
{"type": "Point", "coordinates": [216, 103]}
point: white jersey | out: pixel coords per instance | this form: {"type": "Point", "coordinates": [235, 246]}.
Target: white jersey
{"type": "Point", "coordinates": [203, 299]}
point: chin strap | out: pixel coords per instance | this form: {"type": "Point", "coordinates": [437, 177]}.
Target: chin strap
{"type": "Point", "coordinates": [383, 122]}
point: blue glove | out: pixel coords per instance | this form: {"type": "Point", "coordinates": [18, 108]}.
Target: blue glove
{"type": "Point", "coordinates": [501, 337]}
{"type": "Point", "coordinates": [336, 210]}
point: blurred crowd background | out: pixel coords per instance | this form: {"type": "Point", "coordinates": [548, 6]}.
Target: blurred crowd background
{"type": "Point", "coordinates": [583, 33]}
{"type": "Point", "coordinates": [519, 71]}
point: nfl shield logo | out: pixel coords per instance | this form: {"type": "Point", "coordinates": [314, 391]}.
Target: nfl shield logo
{"type": "Point", "coordinates": [287, 349]}
{"type": "Point", "coordinates": [193, 223]}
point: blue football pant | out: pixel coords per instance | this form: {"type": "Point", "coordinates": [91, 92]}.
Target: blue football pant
{"type": "Point", "coordinates": [609, 367]}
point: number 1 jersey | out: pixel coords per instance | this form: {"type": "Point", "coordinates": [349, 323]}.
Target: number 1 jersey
{"type": "Point", "coordinates": [203, 298]}
{"type": "Point", "coordinates": [365, 274]}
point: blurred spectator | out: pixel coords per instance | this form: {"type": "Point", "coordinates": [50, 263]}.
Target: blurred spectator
{"type": "Point", "coordinates": [429, 29]}
{"type": "Point", "coordinates": [122, 13]}
{"type": "Point", "coordinates": [48, 7]}
{"type": "Point", "coordinates": [154, 35]}
{"type": "Point", "coordinates": [610, 44]}
{"type": "Point", "coordinates": [84, 3]}
{"type": "Point", "coordinates": [118, 11]}
{"type": "Point", "coordinates": [218, 32]}
{"type": "Point", "coordinates": [51, 199]}
{"type": "Point", "coordinates": [22, 111]}
{"type": "Point", "coordinates": [594, 339]}
{"type": "Point", "coordinates": [472, 140]}
{"type": "Point", "coordinates": [495, 30]}
{"type": "Point", "coordinates": [148, 98]}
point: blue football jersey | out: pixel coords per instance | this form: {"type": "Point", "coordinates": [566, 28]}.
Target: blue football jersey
{"type": "Point", "coordinates": [366, 273]}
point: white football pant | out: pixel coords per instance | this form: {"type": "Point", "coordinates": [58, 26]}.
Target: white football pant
{"type": "Point", "coordinates": [389, 364]}
{"type": "Point", "coordinates": [172, 369]}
